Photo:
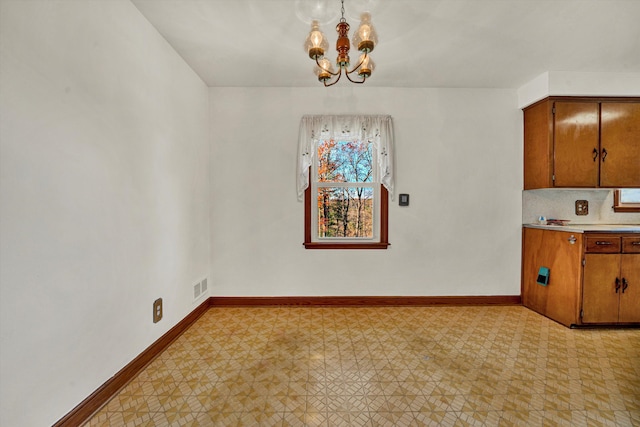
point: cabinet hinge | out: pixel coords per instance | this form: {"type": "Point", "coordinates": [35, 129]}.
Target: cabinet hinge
{"type": "Point", "coordinates": [553, 177]}
{"type": "Point", "coordinates": [584, 262]}
{"type": "Point", "coordinates": [581, 314]}
{"type": "Point", "coordinates": [553, 110]}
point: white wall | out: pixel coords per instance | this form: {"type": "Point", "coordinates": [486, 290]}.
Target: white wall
{"type": "Point", "coordinates": [104, 197]}
{"type": "Point", "coordinates": [572, 83]}
{"type": "Point", "coordinates": [459, 156]}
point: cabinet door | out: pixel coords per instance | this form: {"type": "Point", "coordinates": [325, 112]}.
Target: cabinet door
{"type": "Point", "coordinates": [538, 146]}
{"type": "Point", "coordinates": [599, 297]}
{"type": "Point", "coordinates": [630, 297]}
{"type": "Point", "coordinates": [554, 250]}
{"type": "Point", "coordinates": [620, 145]}
{"type": "Point", "coordinates": [576, 148]}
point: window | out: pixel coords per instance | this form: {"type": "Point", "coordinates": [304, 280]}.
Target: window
{"type": "Point", "coordinates": [345, 177]}
{"type": "Point", "coordinates": [626, 200]}
{"type": "Point", "coordinates": [345, 194]}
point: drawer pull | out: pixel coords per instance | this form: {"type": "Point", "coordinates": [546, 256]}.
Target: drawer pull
{"type": "Point", "coordinates": [625, 285]}
{"type": "Point", "coordinates": [617, 285]}
{"type": "Point", "coordinates": [635, 243]}
{"type": "Point", "coordinates": [601, 243]}
{"type": "Point", "coordinates": [572, 239]}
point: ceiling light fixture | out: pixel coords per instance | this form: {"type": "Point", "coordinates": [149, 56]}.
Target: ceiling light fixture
{"type": "Point", "coordinates": [365, 39]}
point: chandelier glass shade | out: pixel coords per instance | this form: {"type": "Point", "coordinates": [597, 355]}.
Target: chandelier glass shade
{"type": "Point", "coordinates": [365, 39]}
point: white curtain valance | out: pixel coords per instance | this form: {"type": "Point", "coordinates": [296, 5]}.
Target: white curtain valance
{"type": "Point", "coordinates": [378, 129]}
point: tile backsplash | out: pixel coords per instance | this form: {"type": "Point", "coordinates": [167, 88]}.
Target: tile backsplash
{"type": "Point", "coordinates": [560, 204]}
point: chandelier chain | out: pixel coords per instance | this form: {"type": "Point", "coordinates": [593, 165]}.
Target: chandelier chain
{"type": "Point", "coordinates": [342, 19]}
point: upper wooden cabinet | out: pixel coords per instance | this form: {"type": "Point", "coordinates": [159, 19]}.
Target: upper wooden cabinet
{"type": "Point", "coordinates": [576, 144]}
{"type": "Point", "coordinates": [582, 142]}
{"type": "Point", "coordinates": [620, 144]}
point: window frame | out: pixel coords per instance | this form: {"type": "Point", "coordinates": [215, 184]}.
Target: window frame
{"type": "Point", "coordinates": [315, 188]}
{"type": "Point", "coordinates": [618, 206]}
{"type": "Point", "coordinates": [380, 239]}
{"type": "Point", "coordinates": [384, 225]}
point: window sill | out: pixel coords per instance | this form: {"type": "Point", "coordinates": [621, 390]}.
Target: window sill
{"type": "Point", "coordinates": [627, 207]}
{"type": "Point", "coordinates": [618, 206]}
{"type": "Point", "coordinates": [317, 245]}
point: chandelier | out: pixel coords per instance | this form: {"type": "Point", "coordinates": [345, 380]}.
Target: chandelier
{"type": "Point", "coordinates": [365, 39]}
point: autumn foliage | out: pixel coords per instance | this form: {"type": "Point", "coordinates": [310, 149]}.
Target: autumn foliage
{"type": "Point", "coordinates": [345, 189]}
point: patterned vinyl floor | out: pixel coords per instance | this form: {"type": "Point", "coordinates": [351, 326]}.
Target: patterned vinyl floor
{"type": "Point", "coordinates": [385, 366]}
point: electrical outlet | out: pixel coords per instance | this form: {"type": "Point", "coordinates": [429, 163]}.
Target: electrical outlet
{"type": "Point", "coordinates": [157, 310]}
{"type": "Point", "coordinates": [582, 207]}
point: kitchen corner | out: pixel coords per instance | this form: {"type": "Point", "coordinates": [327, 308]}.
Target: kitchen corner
{"type": "Point", "coordinates": [591, 264]}
{"type": "Point", "coordinates": [583, 267]}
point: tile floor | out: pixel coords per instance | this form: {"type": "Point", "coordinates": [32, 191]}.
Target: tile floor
{"type": "Point", "coordinates": [385, 366]}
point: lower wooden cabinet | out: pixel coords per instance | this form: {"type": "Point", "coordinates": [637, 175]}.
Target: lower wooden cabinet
{"type": "Point", "coordinates": [561, 253]}
{"type": "Point", "coordinates": [630, 292]}
{"type": "Point", "coordinates": [611, 288]}
{"type": "Point", "coordinates": [594, 278]}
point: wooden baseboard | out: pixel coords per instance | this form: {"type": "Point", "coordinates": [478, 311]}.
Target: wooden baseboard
{"type": "Point", "coordinates": [81, 413]}
{"type": "Point", "coordinates": [366, 301]}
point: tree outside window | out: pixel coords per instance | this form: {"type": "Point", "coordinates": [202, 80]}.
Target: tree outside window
{"type": "Point", "coordinates": [345, 211]}
{"type": "Point", "coordinates": [346, 196]}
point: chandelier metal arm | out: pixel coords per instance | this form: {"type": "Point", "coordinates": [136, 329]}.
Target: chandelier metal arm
{"type": "Point", "coordinates": [355, 81]}
{"type": "Point", "coordinates": [339, 74]}
{"type": "Point", "coordinates": [364, 58]}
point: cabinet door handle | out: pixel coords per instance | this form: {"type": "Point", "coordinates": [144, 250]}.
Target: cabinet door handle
{"type": "Point", "coordinates": [617, 285]}
{"type": "Point", "coordinates": [602, 243]}
{"type": "Point", "coordinates": [595, 154]}
{"type": "Point", "coordinates": [604, 154]}
{"type": "Point", "coordinates": [572, 239]}
{"type": "Point", "coordinates": [625, 285]}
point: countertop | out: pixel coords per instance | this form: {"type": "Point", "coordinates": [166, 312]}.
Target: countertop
{"type": "Point", "coordinates": [590, 228]}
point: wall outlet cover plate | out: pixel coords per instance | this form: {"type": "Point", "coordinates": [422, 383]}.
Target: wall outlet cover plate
{"type": "Point", "coordinates": [582, 207]}
{"type": "Point", "coordinates": [157, 310]}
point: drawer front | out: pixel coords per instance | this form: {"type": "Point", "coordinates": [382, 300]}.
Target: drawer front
{"type": "Point", "coordinates": [631, 245]}
{"type": "Point", "coordinates": [603, 244]}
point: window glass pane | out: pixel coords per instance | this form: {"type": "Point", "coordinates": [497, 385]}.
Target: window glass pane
{"type": "Point", "coordinates": [345, 212]}
{"type": "Point", "coordinates": [345, 161]}
{"type": "Point", "coordinates": [630, 196]}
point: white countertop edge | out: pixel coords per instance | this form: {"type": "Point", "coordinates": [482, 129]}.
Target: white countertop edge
{"type": "Point", "coordinates": [581, 228]}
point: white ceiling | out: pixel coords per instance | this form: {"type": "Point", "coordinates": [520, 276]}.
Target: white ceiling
{"type": "Point", "coordinates": [422, 43]}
